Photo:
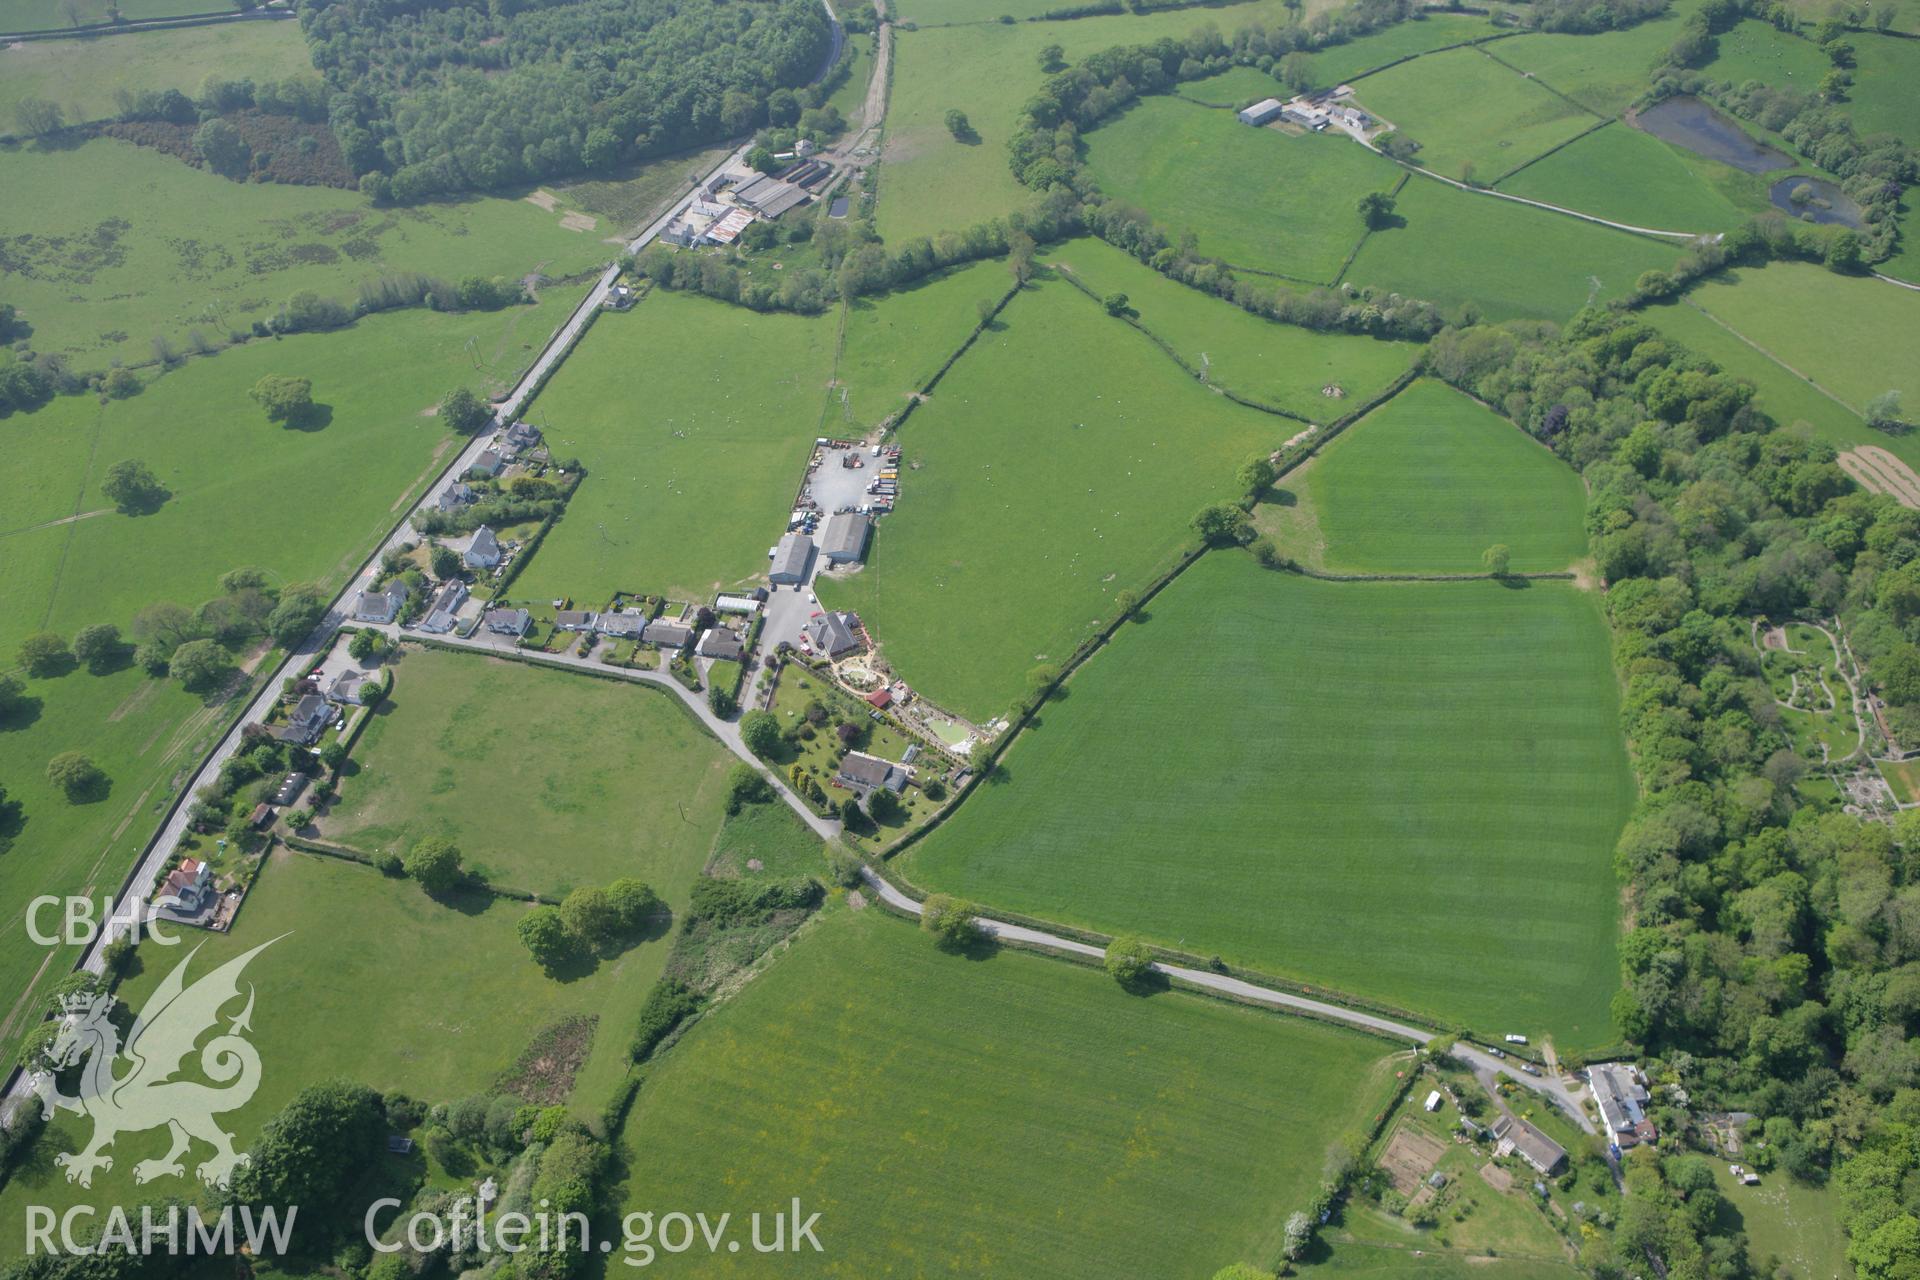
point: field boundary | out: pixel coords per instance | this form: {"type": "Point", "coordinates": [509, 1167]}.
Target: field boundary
{"type": "Point", "coordinates": [172, 22]}
{"type": "Point", "coordinates": [1321, 575]}
{"type": "Point", "coordinates": [1558, 146]}
{"type": "Point", "coordinates": [893, 424]}
{"type": "Point", "coordinates": [1445, 48]}
{"type": "Point", "coordinates": [1528, 75]}
{"type": "Point", "coordinates": [347, 853]}
{"type": "Point", "coordinates": [1366, 234]}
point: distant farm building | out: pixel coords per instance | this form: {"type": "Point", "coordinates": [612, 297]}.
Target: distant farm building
{"type": "Point", "coordinates": [844, 539]}
{"type": "Point", "coordinates": [791, 559]}
{"type": "Point", "coordinates": [1260, 112]}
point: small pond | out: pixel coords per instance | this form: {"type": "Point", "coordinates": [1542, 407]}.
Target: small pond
{"type": "Point", "coordinates": [1688, 122]}
{"type": "Point", "coordinates": [1818, 201]}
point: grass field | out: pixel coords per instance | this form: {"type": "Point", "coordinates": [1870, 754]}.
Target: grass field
{"type": "Point", "coordinates": [1628, 176]}
{"type": "Point", "coordinates": [1343, 62]}
{"type": "Point", "coordinates": [851, 96]}
{"type": "Point", "coordinates": [301, 503]}
{"type": "Point", "coordinates": [1425, 484]}
{"type": "Point", "coordinates": [545, 780]}
{"type": "Point", "coordinates": [931, 182]}
{"type": "Point", "coordinates": [1234, 87]}
{"type": "Point", "coordinates": [121, 245]}
{"type": "Point", "coordinates": [632, 198]}
{"type": "Point", "coordinates": [894, 344]}
{"type": "Point", "coordinates": [1756, 50]}
{"type": "Point", "coordinates": [1885, 97]}
{"type": "Point", "coordinates": [1113, 1135]}
{"type": "Point", "coordinates": [1848, 334]}
{"type": "Point", "coordinates": [81, 75]}
{"type": "Point", "coordinates": [1503, 259]}
{"type": "Point", "coordinates": [1797, 1224]}
{"type": "Point", "coordinates": [53, 15]}
{"type": "Point", "coordinates": [693, 419]}
{"type": "Point", "coordinates": [1291, 207]}
{"type": "Point", "coordinates": [1276, 364]}
{"type": "Point", "coordinates": [1335, 782]}
{"type": "Point", "coordinates": [1603, 72]}
{"type": "Point", "coordinates": [1421, 1262]}
{"type": "Point", "coordinates": [1087, 486]}
{"type": "Point", "coordinates": [372, 981]}
{"type": "Point", "coordinates": [1473, 116]}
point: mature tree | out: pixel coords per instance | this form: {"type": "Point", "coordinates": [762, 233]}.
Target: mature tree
{"type": "Point", "coordinates": [1129, 960]}
{"type": "Point", "coordinates": [444, 561]}
{"type": "Point", "coordinates": [949, 919]}
{"type": "Point", "coordinates": [285, 398]}
{"type": "Point", "coordinates": [1117, 304]}
{"type": "Point", "coordinates": [131, 486]}
{"type": "Point", "coordinates": [1244, 1270]}
{"type": "Point", "coordinates": [165, 623]}
{"type": "Point", "coordinates": [1223, 524]}
{"type": "Point", "coordinates": [221, 146]}
{"type": "Point", "coordinates": [635, 905]}
{"type": "Point", "coordinates": [299, 611]}
{"type": "Point", "coordinates": [721, 701]}
{"type": "Point", "coordinates": [199, 665]}
{"type": "Point", "coordinates": [547, 937]}
{"type": "Point", "coordinates": [1497, 558]}
{"type": "Point", "coordinates": [958, 125]}
{"type": "Point", "coordinates": [97, 647]}
{"type": "Point", "coordinates": [746, 785]}
{"type": "Point", "coordinates": [1376, 209]}
{"type": "Point", "coordinates": [38, 117]}
{"type": "Point", "coordinates": [44, 654]}
{"type": "Point", "coordinates": [883, 805]}
{"type": "Point", "coordinates": [316, 1151]}
{"type": "Point", "coordinates": [1020, 250]}
{"type": "Point", "coordinates": [760, 730]}
{"type": "Point", "coordinates": [465, 412]}
{"type": "Point", "coordinates": [435, 863]}
{"type": "Point", "coordinates": [13, 695]}
{"type": "Point", "coordinates": [1298, 1237]}
{"type": "Point", "coordinates": [74, 774]}
{"type": "Point", "coordinates": [1296, 71]}
{"type": "Point", "coordinates": [589, 915]}
{"type": "Point", "coordinates": [601, 150]}
{"type": "Point", "coordinates": [366, 646]}
{"type": "Point", "coordinates": [1883, 411]}
{"type": "Point", "coordinates": [1053, 58]}
{"type": "Point", "coordinates": [1256, 474]}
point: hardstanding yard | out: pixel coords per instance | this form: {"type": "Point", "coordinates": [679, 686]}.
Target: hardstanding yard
{"type": "Point", "coordinates": [1337, 782]}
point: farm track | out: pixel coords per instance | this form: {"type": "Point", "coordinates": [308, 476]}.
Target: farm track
{"type": "Point", "coordinates": [1877, 470]}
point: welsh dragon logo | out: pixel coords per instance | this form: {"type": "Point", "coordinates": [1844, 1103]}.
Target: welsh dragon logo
{"type": "Point", "coordinates": [148, 1096]}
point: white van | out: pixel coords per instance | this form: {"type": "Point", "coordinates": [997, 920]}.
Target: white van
{"type": "Point", "coordinates": [1516, 1039]}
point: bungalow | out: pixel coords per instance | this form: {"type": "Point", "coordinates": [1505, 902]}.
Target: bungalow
{"type": "Point", "coordinates": [444, 614]}
{"type": "Point", "coordinates": [508, 622]}
{"type": "Point", "coordinates": [381, 607]}
{"type": "Point", "coordinates": [574, 620]}
{"type": "Point", "coordinates": [832, 634]}
{"type": "Point", "coordinates": [490, 463]}
{"type": "Point", "coordinates": [187, 894]}
{"type": "Point", "coordinates": [1514, 1136]}
{"type": "Point", "coordinates": [304, 723]}
{"type": "Point", "coordinates": [1620, 1091]}
{"type": "Point", "coordinates": [844, 539]}
{"type": "Point", "coordinates": [290, 788]}
{"type": "Point", "coordinates": [484, 551]}
{"type": "Point", "coordinates": [349, 686]}
{"type": "Point", "coordinates": [863, 773]}
{"type": "Point", "coordinates": [455, 496]}
{"type": "Point", "coordinates": [1260, 112]}
{"type": "Point", "coordinates": [718, 642]}
{"type": "Point", "coordinates": [667, 635]}
{"type": "Point", "coordinates": [791, 559]}
{"type": "Point", "coordinates": [621, 626]}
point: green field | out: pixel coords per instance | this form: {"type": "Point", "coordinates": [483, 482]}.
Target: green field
{"type": "Point", "coordinates": [1425, 484]}
{"type": "Point", "coordinates": [1235, 87]}
{"type": "Point", "coordinates": [1603, 72]}
{"type": "Point", "coordinates": [547, 781]}
{"type": "Point", "coordinates": [1850, 335]}
{"type": "Point", "coordinates": [370, 980]}
{"type": "Point", "coordinates": [1285, 203]}
{"type": "Point", "coordinates": [1756, 50]}
{"type": "Point", "coordinates": [1473, 116]}
{"type": "Point", "coordinates": [693, 419]}
{"type": "Point", "coordinates": [1422, 1262]}
{"type": "Point", "coordinates": [52, 15]}
{"type": "Point", "coordinates": [120, 245]}
{"type": "Point", "coordinates": [1624, 175]}
{"type": "Point", "coordinates": [1797, 1224]}
{"type": "Point", "coordinates": [1343, 62]}
{"type": "Point", "coordinates": [1885, 97]}
{"type": "Point", "coordinates": [1036, 496]}
{"type": "Point", "coordinates": [851, 96]}
{"type": "Point", "coordinates": [81, 75]}
{"type": "Point", "coordinates": [302, 503]}
{"type": "Point", "coordinates": [1459, 249]}
{"type": "Point", "coordinates": [1338, 782]}
{"type": "Point", "coordinates": [1276, 364]}
{"type": "Point", "coordinates": [932, 182]}
{"type": "Point", "coordinates": [892, 345]}
{"type": "Point", "coordinates": [1112, 1134]}
{"type": "Point", "coordinates": [632, 197]}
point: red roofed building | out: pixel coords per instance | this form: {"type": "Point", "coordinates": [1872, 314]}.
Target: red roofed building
{"type": "Point", "coordinates": [882, 698]}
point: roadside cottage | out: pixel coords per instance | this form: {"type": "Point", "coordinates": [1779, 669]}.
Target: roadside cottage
{"type": "Point", "coordinates": [484, 551]}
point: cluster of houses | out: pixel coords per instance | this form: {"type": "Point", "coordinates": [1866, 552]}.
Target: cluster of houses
{"type": "Point", "coordinates": [1313, 111]}
{"type": "Point", "coordinates": [442, 612]}
{"type": "Point", "coordinates": [517, 440]}
{"type": "Point", "coordinates": [662, 633]}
